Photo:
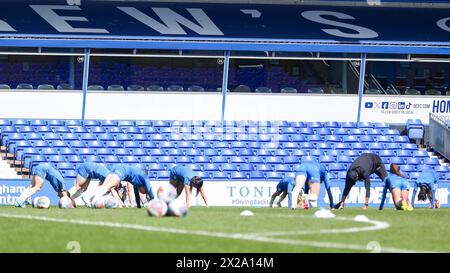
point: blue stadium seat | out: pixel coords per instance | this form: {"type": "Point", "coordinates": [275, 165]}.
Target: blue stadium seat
{"type": "Point", "coordinates": [85, 151]}
{"type": "Point", "coordinates": [401, 139]}
{"type": "Point", "coordinates": [380, 125]}
{"type": "Point", "coordinates": [413, 161]}
{"type": "Point", "coordinates": [383, 139]}
{"type": "Point", "coordinates": [64, 166]}
{"type": "Point", "coordinates": [157, 152]}
{"type": "Point", "coordinates": [344, 159]}
{"type": "Point", "coordinates": [408, 168]}
{"type": "Point", "coordinates": [359, 146]}
{"type": "Point", "coordinates": [307, 146]}
{"type": "Point", "coordinates": [238, 175]}
{"type": "Point", "coordinates": [403, 153]}
{"type": "Point", "coordinates": [308, 158]}
{"type": "Point", "coordinates": [332, 139]}
{"type": "Point", "coordinates": [227, 167]}
{"type": "Point", "coordinates": [202, 159]}
{"type": "Point", "coordinates": [162, 174]}
{"type": "Point", "coordinates": [25, 129]}
{"type": "Point", "coordinates": [129, 159]}
{"type": "Point", "coordinates": [397, 160]}
{"type": "Point", "coordinates": [386, 153]}
{"type": "Point", "coordinates": [255, 160]}
{"type": "Point", "coordinates": [49, 151]}
{"type": "Point", "coordinates": [291, 159]}
{"type": "Point", "coordinates": [110, 159]}
{"type": "Point", "coordinates": [42, 129]}
{"type": "Point", "coordinates": [350, 139]}
{"type": "Point", "coordinates": [336, 167]}
{"type": "Point", "coordinates": [220, 175]}
{"type": "Point", "coordinates": [219, 159]}
{"type": "Point", "coordinates": [8, 129]}
{"type": "Point", "coordinates": [147, 159]}
{"type": "Point", "coordinates": [148, 145]}
{"type": "Point", "coordinates": [26, 152]}
{"type": "Point", "coordinates": [103, 151]}
{"type": "Point", "coordinates": [420, 154]}
{"type": "Point", "coordinates": [55, 158]}
{"type": "Point", "coordinates": [256, 175]}
{"type": "Point", "coordinates": [94, 144]}
{"type": "Point", "coordinates": [342, 175]}
{"type": "Point", "coordinates": [356, 132]}
{"type": "Point", "coordinates": [32, 136]}
{"type": "Point", "coordinates": [331, 124]}
{"type": "Point", "coordinates": [79, 130]}
{"type": "Point", "coordinates": [393, 146]}
{"type": "Point", "coordinates": [326, 159]}
{"type": "Point", "coordinates": [40, 143]}
{"type": "Point", "coordinates": [340, 131]}
{"type": "Point", "coordinates": [91, 158]}
{"type": "Point", "coordinates": [71, 123]}
{"type": "Point", "coordinates": [97, 130]}
{"type": "Point", "coordinates": [324, 146]}
{"type": "Point", "coordinates": [390, 132]}
{"type": "Point", "coordinates": [74, 159]}
{"type": "Point", "coordinates": [120, 151]}
{"type": "Point", "coordinates": [348, 124]}
{"type": "Point", "coordinates": [282, 168]}
{"type": "Point", "coordinates": [374, 132]}
{"type": "Point", "coordinates": [202, 145]}
{"type": "Point", "coordinates": [414, 175]}
{"type": "Point", "coordinates": [323, 131]}
{"type": "Point", "coordinates": [290, 146]}
{"type": "Point", "coordinates": [273, 176]}
{"type": "Point", "coordinates": [210, 167]}
{"type": "Point", "coordinates": [350, 153]}
{"type": "Point", "coordinates": [244, 167]}
{"type": "Point", "coordinates": [365, 125]}
{"type": "Point", "coordinates": [409, 146]}
{"type": "Point", "coordinates": [433, 161]}
{"type": "Point", "coordinates": [183, 159]}
{"type": "Point", "coordinates": [341, 146]}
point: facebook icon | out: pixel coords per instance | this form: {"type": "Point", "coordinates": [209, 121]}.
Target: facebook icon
{"type": "Point", "coordinates": [384, 105]}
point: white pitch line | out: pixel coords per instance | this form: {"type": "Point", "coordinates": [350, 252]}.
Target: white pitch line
{"type": "Point", "coordinates": [376, 225]}
{"type": "Point", "coordinates": [237, 236]}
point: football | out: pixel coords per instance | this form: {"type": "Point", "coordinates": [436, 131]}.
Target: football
{"type": "Point", "coordinates": [177, 208]}
{"type": "Point", "coordinates": [99, 203]}
{"type": "Point", "coordinates": [157, 208]}
{"type": "Point", "coordinates": [65, 203]}
{"type": "Point", "coordinates": [41, 202]}
{"type": "Point", "coordinates": [111, 202]}
{"type": "Point", "coordinates": [167, 193]}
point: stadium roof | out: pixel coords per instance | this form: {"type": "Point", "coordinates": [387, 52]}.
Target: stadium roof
{"type": "Point", "coordinates": [296, 26]}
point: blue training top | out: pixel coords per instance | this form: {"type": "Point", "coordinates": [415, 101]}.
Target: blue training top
{"type": "Point", "coordinates": [50, 174]}
{"type": "Point", "coordinates": [182, 175]}
{"type": "Point", "coordinates": [393, 181]}
{"type": "Point", "coordinates": [286, 184]}
{"type": "Point", "coordinates": [315, 173]}
{"type": "Point", "coordinates": [430, 179]}
{"type": "Point", "coordinates": [136, 177]}
{"type": "Point", "coordinates": [93, 170]}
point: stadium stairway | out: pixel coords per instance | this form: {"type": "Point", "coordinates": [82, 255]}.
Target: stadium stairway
{"type": "Point", "coordinates": [7, 171]}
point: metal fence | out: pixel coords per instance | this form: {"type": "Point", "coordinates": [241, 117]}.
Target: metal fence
{"type": "Point", "coordinates": [440, 134]}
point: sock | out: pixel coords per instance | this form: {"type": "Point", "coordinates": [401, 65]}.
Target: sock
{"type": "Point", "coordinates": [75, 193]}
{"type": "Point", "coordinates": [28, 192]}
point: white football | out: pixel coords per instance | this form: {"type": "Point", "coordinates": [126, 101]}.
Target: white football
{"type": "Point", "coordinates": [167, 193]}
{"type": "Point", "coordinates": [41, 202]}
{"type": "Point", "coordinates": [99, 203]}
{"type": "Point", "coordinates": [111, 202]}
{"type": "Point", "coordinates": [177, 208]}
{"type": "Point", "coordinates": [65, 203]}
{"type": "Point", "coordinates": [156, 208]}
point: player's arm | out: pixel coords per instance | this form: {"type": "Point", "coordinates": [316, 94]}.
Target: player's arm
{"type": "Point", "coordinates": [281, 198]}
{"type": "Point", "coordinates": [137, 196]}
{"type": "Point", "coordinates": [383, 195]}
{"type": "Point", "coordinates": [131, 197]}
{"type": "Point", "coordinates": [188, 195]}
{"type": "Point", "coordinates": [326, 183]}
{"type": "Point", "coordinates": [203, 194]}
{"type": "Point", "coordinates": [293, 190]}
{"type": "Point", "coordinates": [433, 190]}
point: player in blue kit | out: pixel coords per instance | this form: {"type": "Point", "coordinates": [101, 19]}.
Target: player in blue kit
{"type": "Point", "coordinates": [399, 187]}
{"type": "Point", "coordinates": [121, 172]}
{"type": "Point", "coordinates": [283, 187]}
{"type": "Point", "coordinates": [86, 172]}
{"type": "Point", "coordinates": [182, 177]}
{"type": "Point", "coordinates": [42, 173]}
{"type": "Point", "coordinates": [313, 173]}
{"type": "Point", "coordinates": [427, 182]}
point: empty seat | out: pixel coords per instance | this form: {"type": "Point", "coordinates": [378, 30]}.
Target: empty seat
{"type": "Point", "coordinates": [242, 88]}
{"type": "Point", "coordinates": [412, 92]}
{"type": "Point", "coordinates": [420, 154]}
{"type": "Point", "coordinates": [315, 90]}
{"type": "Point", "coordinates": [4, 86]}
{"type": "Point", "coordinates": [65, 86]}
{"type": "Point", "coordinates": [24, 86]}
{"type": "Point", "coordinates": [372, 91]}
{"type": "Point", "coordinates": [155, 87]}
{"type": "Point", "coordinates": [263, 89]}
{"type": "Point", "coordinates": [431, 161]}
{"type": "Point", "coordinates": [175, 87]}
{"type": "Point", "coordinates": [135, 87]}
{"type": "Point", "coordinates": [433, 92]}
{"type": "Point", "coordinates": [95, 87]}
{"type": "Point", "coordinates": [45, 87]}
{"type": "Point", "coordinates": [115, 87]}
{"type": "Point", "coordinates": [288, 90]}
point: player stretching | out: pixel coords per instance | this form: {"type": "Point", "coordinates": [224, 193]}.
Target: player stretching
{"type": "Point", "coordinates": [399, 187]}
{"type": "Point", "coordinates": [41, 173]}
{"type": "Point", "coordinates": [313, 173]}
{"type": "Point", "coordinates": [427, 182]}
{"type": "Point", "coordinates": [361, 169]}
{"type": "Point", "coordinates": [182, 177]}
{"type": "Point", "coordinates": [121, 172]}
{"type": "Point", "coordinates": [283, 187]}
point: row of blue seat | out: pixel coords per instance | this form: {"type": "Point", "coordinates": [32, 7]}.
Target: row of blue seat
{"type": "Point", "coordinates": [195, 123]}
{"type": "Point", "coordinates": [186, 131]}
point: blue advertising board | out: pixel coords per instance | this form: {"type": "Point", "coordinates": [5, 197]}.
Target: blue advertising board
{"type": "Point", "coordinates": [10, 189]}
{"type": "Point", "coordinates": [224, 22]}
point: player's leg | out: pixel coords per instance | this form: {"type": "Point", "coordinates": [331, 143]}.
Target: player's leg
{"type": "Point", "coordinates": [178, 186]}
{"type": "Point", "coordinates": [349, 183]}
{"type": "Point", "coordinates": [406, 205]}
{"type": "Point", "coordinates": [299, 183]}
{"type": "Point", "coordinates": [314, 190]}
{"type": "Point", "coordinates": [37, 183]}
{"type": "Point", "coordinates": [111, 181]}
{"type": "Point", "coordinates": [273, 197]}
{"type": "Point", "coordinates": [367, 187]}
{"type": "Point", "coordinates": [281, 198]}
{"type": "Point", "coordinates": [397, 198]}
{"type": "Point", "coordinates": [81, 185]}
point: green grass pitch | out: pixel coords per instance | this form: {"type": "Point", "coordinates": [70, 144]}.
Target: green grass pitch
{"type": "Point", "coordinates": [222, 229]}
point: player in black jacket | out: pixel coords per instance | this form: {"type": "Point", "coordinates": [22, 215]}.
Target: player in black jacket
{"type": "Point", "coordinates": [361, 169]}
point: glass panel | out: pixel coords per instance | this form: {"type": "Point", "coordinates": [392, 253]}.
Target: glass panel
{"type": "Point", "coordinates": [293, 76]}
{"type": "Point", "coordinates": [155, 74]}
{"type": "Point", "coordinates": [41, 72]}
{"type": "Point", "coordinates": [407, 78]}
